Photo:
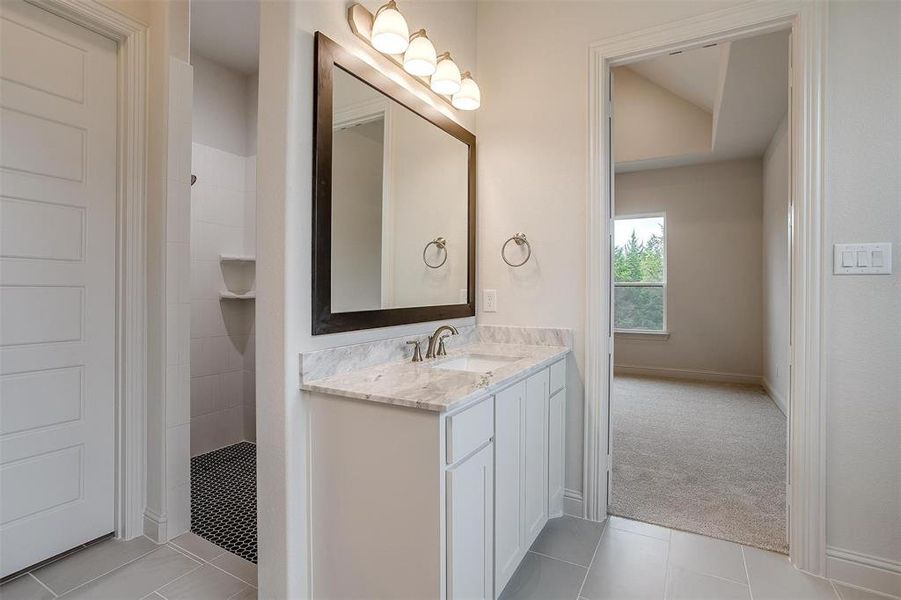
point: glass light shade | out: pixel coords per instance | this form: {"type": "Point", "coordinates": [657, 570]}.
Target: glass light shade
{"type": "Point", "coordinates": [420, 58]}
{"type": "Point", "coordinates": [469, 97]}
{"type": "Point", "coordinates": [390, 33]}
{"type": "Point", "coordinates": [446, 79]}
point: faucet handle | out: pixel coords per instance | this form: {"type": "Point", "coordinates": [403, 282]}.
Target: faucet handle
{"type": "Point", "coordinates": [417, 351]}
{"type": "Point", "coordinates": [442, 351]}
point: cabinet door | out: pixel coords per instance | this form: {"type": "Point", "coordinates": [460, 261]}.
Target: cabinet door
{"type": "Point", "coordinates": [556, 449]}
{"type": "Point", "coordinates": [509, 532]}
{"type": "Point", "coordinates": [470, 527]}
{"type": "Point", "coordinates": [535, 457]}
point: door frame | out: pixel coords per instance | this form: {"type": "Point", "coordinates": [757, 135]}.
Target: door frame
{"type": "Point", "coordinates": [131, 39]}
{"type": "Point", "coordinates": [806, 453]}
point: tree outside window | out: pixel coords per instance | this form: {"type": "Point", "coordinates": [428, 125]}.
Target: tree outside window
{"type": "Point", "coordinates": [639, 269]}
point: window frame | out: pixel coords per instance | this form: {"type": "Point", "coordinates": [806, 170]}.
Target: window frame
{"type": "Point", "coordinates": [663, 284]}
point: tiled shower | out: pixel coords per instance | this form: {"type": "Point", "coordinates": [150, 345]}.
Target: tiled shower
{"type": "Point", "coordinates": [223, 268]}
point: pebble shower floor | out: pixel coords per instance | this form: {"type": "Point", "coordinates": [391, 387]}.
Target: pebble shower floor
{"type": "Point", "coordinates": [224, 498]}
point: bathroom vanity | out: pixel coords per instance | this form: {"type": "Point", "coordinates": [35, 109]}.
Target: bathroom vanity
{"type": "Point", "coordinates": [429, 479]}
{"type": "Point", "coordinates": [432, 479]}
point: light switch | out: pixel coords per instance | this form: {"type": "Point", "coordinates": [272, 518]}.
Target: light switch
{"type": "Point", "coordinates": [862, 259]}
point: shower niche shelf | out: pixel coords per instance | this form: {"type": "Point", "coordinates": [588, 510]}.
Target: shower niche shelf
{"type": "Point", "coordinates": [236, 258]}
{"type": "Point", "coordinates": [233, 296]}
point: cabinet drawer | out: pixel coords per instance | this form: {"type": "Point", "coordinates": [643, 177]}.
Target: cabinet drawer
{"type": "Point", "coordinates": [469, 429]}
{"type": "Point", "coordinates": [558, 376]}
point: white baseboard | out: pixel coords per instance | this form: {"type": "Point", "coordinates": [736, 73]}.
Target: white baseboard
{"type": "Point", "coordinates": [155, 526]}
{"type": "Point", "coordinates": [777, 398]}
{"type": "Point", "coordinates": [572, 503]}
{"type": "Point", "coordinates": [864, 571]}
{"type": "Point", "coordinates": [689, 374]}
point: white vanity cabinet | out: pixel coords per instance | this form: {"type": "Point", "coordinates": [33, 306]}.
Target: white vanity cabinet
{"type": "Point", "coordinates": [415, 503]}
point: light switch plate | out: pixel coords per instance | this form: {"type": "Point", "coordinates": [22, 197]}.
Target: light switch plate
{"type": "Point", "coordinates": [862, 259]}
{"type": "Point", "coordinates": [490, 303]}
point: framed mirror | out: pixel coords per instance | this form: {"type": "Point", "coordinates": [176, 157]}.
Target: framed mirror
{"type": "Point", "coordinates": [393, 202]}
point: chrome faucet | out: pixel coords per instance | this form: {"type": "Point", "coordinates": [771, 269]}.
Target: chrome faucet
{"type": "Point", "coordinates": [438, 339]}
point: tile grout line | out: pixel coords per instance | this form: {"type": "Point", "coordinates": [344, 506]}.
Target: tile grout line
{"type": "Point", "coordinates": [744, 561]}
{"type": "Point", "coordinates": [81, 585]}
{"type": "Point", "coordinates": [42, 584]}
{"type": "Point", "coordinates": [207, 562]}
{"type": "Point", "coordinates": [558, 559]}
{"type": "Point", "coordinates": [593, 556]}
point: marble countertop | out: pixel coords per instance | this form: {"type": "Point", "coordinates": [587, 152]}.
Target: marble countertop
{"type": "Point", "coordinates": [420, 385]}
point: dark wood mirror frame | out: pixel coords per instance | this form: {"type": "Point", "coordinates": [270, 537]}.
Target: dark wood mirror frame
{"type": "Point", "coordinates": [330, 55]}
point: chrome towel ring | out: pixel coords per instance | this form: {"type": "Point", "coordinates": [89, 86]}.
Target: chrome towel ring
{"type": "Point", "coordinates": [439, 243]}
{"type": "Point", "coordinates": [519, 239]}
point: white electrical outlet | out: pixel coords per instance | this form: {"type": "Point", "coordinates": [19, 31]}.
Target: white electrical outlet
{"type": "Point", "coordinates": [490, 303]}
{"type": "Point", "coordinates": [862, 259]}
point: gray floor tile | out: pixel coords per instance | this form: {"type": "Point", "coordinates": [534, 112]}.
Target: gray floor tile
{"type": "Point", "coordinates": [24, 587]}
{"type": "Point", "coordinates": [847, 592]}
{"type": "Point", "coordinates": [242, 569]}
{"type": "Point", "coordinates": [205, 583]}
{"type": "Point", "coordinates": [248, 594]}
{"type": "Point", "coordinates": [196, 545]}
{"type": "Point", "coordinates": [687, 585]}
{"type": "Point", "coordinates": [139, 578]}
{"type": "Point", "coordinates": [655, 531]}
{"type": "Point", "coordinates": [627, 565]}
{"type": "Point", "coordinates": [91, 562]}
{"type": "Point", "coordinates": [772, 577]}
{"type": "Point", "coordinates": [707, 555]}
{"type": "Point", "coordinates": [153, 596]}
{"type": "Point", "coordinates": [542, 578]}
{"type": "Point", "coordinates": [569, 539]}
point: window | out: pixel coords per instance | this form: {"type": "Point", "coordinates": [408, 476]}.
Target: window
{"type": "Point", "coordinates": [639, 274]}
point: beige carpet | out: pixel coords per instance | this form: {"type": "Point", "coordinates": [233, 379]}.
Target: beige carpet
{"type": "Point", "coordinates": [701, 457]}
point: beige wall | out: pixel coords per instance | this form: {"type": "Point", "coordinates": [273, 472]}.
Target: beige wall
{"type": "Point", "coordinates": [776, 296]}
{"type": "Point", "coordinates": [652, 122]}
{"type": "Point", "coordinates": [713, 265]}
{"type": "Point", "coordinates": [863, 313]}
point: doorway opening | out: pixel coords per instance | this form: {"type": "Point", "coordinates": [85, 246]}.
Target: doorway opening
{"type": "Point", "coordinates": [701, 304]}
{"type": "Point", "coordinates": [225, 61]}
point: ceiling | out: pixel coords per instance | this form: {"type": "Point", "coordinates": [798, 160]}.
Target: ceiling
{"type": "Point", "coordinates": [743, 84]}
{"type": "Point", "coordinates": [227, 32]}
{"type": "Point", "coordinates": [691, 75]}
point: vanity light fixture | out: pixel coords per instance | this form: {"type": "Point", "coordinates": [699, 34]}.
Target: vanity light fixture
{"type": "Point", "coordinates": [469, 97]}
{"type": "Point", "coordinates": [387, 31]}
{"type": "Point", "coordinates": [420, 58]}
{"type": "Point", "coordinates": [446, 78]}
{"type": "Point", "coordinates": [390, 33]}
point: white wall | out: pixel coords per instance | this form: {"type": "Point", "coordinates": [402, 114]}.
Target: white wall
{"type": "Point", "coordinates": [284, 258]}
{"type": "Point", "coordinates": [776, 295]}
{"type": "Point", "coordinates": [222, 222]}
{"type": "Point", "coordinates": [863, 313]}
{"type": "Point", "coordinates": [713, 266]}
{"type": "Point", "coordinates": [652, 122]}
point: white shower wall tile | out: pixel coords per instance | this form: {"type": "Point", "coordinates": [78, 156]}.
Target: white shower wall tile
{"type": "Point", "coordinates": [222, 222]}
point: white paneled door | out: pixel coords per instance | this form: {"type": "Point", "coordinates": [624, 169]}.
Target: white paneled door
{"type": "Point", "coordinates": [57, 285]}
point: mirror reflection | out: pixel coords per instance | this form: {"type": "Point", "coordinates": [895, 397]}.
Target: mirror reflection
{"type": "Point", "coordinates": [399, 204]}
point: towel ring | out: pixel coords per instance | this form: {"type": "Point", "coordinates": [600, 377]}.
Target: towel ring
{"type": "Point", "coordinates": [520, 239]}
{"type": "Point", "coordinates": [439, 243]}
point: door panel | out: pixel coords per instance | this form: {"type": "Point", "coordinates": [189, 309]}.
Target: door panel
{"type": "Point", "coordinates": [535, 473]}
{"type": "Point", "coordinates": [58, 86]}
{"type": "Point", "coordinates": [509, 535]}
{"type": "Point", "coordinates": [470, 530]}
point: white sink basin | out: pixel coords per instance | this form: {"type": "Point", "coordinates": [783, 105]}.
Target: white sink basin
{"type": "Point", "coordinates": [476, 363]}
